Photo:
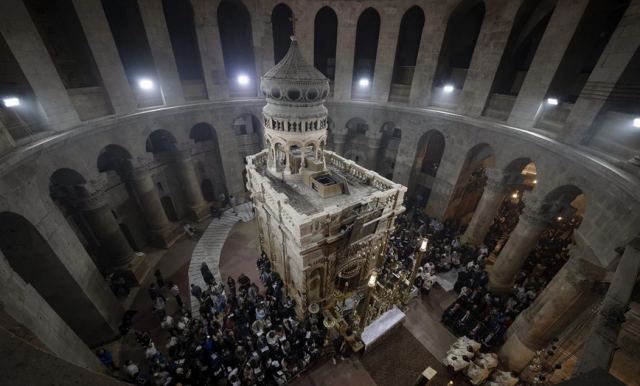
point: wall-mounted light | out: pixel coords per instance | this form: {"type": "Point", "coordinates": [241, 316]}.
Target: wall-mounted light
{"type": "Point", "coordinates": [552, 101]}
{"type": "Point", "coordinates": [514, 195]}
{"type": "Point", "coordinates": [448, 88]}
{"type": "Point", "coordinates": [535, 182]}
{"type": "Point", "coordinates": [146, 84]}
{"type": "Point", "coordinates": [243, 80]}
{"type": "Point", "coordinates": [363, 82]}
{"type": "Point", "coordinates": [559, 218]}
{"type": "Point", "coordinates": [11, 101]}
{"type": "Point", "coordinates": [636, 122]}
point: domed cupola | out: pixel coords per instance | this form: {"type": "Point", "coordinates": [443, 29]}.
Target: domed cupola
{"type": "Point", "coordinates": [295, 118]}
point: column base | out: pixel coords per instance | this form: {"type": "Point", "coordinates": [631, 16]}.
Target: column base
{"type": "Point", "coordinates": [200, 213]}
{"type": "Point", "coordinates": [136, 271]}
{"type": "Point", "coordinates": [514, 354]}
{"type": "Point", "coordinates": [165, 238]}
{"type": "Point", "coordinates": [498, 287]}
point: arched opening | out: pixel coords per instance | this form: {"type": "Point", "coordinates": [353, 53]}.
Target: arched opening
{"type": "Point", "coordinates": [131, 41]}
{"type": "Point", "coordinates": [356, 141]}
{"type": "Point", "coordinates": [169, 208]}
{"type": "Point", "coordinates": [600, 19]}
{"type": "Point", "coordinates": [248, 131]}
{"type": "Point", "coordinates": [234, 22]}
{"type": "Point", "coordinates": [184, 42]}
{"type": "Point", "coordinates": [520, 176]}
{"type": "Point", "coordinates": [459, 43]}
{"type": "Point", "coordinates": [470, 184]}
{"type": "Point", "coordinates": [208, 161]}
{"type": "Point", "coordinates": [160, 141]}
{"type": "Point", "coordinates": [325, 41]}
{"type": "Point", "coordinates": [331, 126]}
{"type": "Point", "coordinates": [389, 144]}
{"type": "Point", "coordinates": [115, 158]}
{"type": "Point", "coordinates": [282, 29]}
{"type": "Point", "coordinates": [408, 46]}
{"type": "Point", "coordinates": [425, 166]}
{"type": "Point", "coordinates": [366, 51]}
{"type": "Point", "coordinates": [32, 258]}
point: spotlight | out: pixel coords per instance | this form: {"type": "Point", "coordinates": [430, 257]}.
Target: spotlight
{"type": "Point", "coordinates": [364, 82]}
{"type": "Point", "coordinates": [552, 101]}
{"type": "Point", "coordinates": [514, 195]}
{"type": "Point", "coordinates": [243, 80]}
{"type": "Point", "coordinates": [559, 218]}
{"type": "Point", "coordinates": [535, 182]}
{"type": "Point", "coordinates": [146, 84]}
{"type": "Point", "coordinates": [11, 101]}
{"type": "Point", "coordinates": [636, 122]}
{"type": "Point", "coordinates": [448, 88]}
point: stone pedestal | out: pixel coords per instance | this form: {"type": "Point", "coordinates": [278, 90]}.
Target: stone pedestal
{"type": "Point", "coordinates": [492, 197]}
{"type": "Point", "coordinates": [373, 149]}
{"type": "Point", "coordinates": [197, 205]}
{"type": "Point", "coordinates": [162, 232]}
{"type": "Point", "coordinates": [602, 343]}
{"type": "Point", "coordinates": [521, 242]}
{"type": "Point", "coordinates": [554, 309]}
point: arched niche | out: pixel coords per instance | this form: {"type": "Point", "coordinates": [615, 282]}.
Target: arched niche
{"type": "Point", "coordinates": [236, 36]}
{"type": "Point", "coordinates": [160, 141]}
{"type": "Point", "coordinates": [430, 149]}
{"type": "Point", "coordinates": [325, 41]}
{"type": "Point", "coordinates": [408, 45]}
{"type": "Point", "coordinates": [208, 161]}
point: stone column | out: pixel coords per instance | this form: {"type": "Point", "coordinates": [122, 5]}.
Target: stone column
{"type": "Point", "coordinates": [103, 48]}
{"type": "Point", "coordinates": [6, 141]}
{"type": "Point", "coordinates": [373, 148]}
{"type": "Point", "coordinates": [305, 16]}
{"type": "Point", "coordinates": [163, 233]}
{"type": "Point", "coordinates": [206, 22]}
{"type": "Point", "coordinates": [262, 39]}
{"type": "Point", "coordinates": [487, 54]}
{"type": "Point", "coordinates": [106, 228]}
{"type": "Point", "coordinates": [430, 45]}
{"type": "Point", "coordinates": [485, 213]}
{"type": "Point", "coordinates": [339, 140]}
{"type": "Point", "coordinates": [622, 45]}
{"type": "Point", "coordinates": [31, 54]}
{"type": "Point", "coordinates": [551, 50]}
{"type": "Point", "coordinates": [386, 54]}
{"type": "Point", "coordinates": [345, 50]}
{"type": "Point", "coordinates": [198, 206]}
{"type": "Point", "coordinates": [602, 343]}
{"type": "Point", "coordinates": [521, 242]}
{"type": "Point", "coordinates": [155, 25]}
{"type": "Point", "coordinates": [562, 300]}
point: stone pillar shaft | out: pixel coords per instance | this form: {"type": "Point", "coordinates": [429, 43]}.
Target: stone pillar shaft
{"type": "Point", "coordinates": [521, 242]}
{"type": "Point", "coordinates": [603, 341]}
{"type": "Point", "coordinates": [554, 309]}
{"type": "Point", "coordinates": [6, 140]}
{"type": "Point", "coordinates": [29, 50]}
{"type": "Point", "coordinates": [551, 50]}
{"type": "Point", "coordinates": [210, 47]}
{"type": "Point", "coordinates": [345, 51]}
{"type": "Point", "coordinates": [622, 45]}
{"type": "Point", "coordinates": [198, 207]}
{"type": "Point", "coordinates": [155, 25]}
{"type": "Point", "coordinates": [103, 48]}
{"type": "Point", "coordinates": [487, 54]}
{"type": "Point", "coordinates": [107, 230]}
{"type": "Point", "coordinates": [386, 55]}
{"type": "Point", "coordinates": [492, 197]}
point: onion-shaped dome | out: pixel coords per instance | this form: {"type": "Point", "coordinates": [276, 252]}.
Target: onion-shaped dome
{"type": "Point", "coordinates": [293, 81]}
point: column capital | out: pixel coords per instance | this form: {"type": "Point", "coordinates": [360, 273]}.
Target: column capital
{"type": "Point", "coordinates": [94, 197]}
{"type": "Point", "coordinates": [495, 180]}
{"type": "Point", "coordinates": [140, 167]}
{"type": "Point", "coordinates": [582, 273]}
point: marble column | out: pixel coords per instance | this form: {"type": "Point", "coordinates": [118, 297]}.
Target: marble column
{"type": "Point", "coordinates": [386, 54]}
{"type": "Point", "coordinates": [622, 45]}
{"type": "Point", "coordinates": [488, 51]}
{"type": "Point", "coordinates": [163, 233]}
{"type": "Point", "coordinates": [155, 25]}
{"type": "Point", "coordinates": [492, 197]}
{"type": "Point", "coordinates": [107, 230]}
{"type": "Point", "coordinates": [430, 45]}
{"type": "Point", "coordinates": [557, 306]}
{"type": "Point", "coordinates": [197, 206]}
{"type": "Point", "coordinates": [6, 140]}
{"type": "Point", "coordinates": [339, 140]}
{"type": "Point", "coordinates": [24, 41]}
{"type": "Point", "coordinates": [345, 51]}
{"type": "Point", "coordinates": [208, 35]}
{"type": "Point", "coordinates": [521, 243]}
{"type": "Point", "coordinates": [373, 150]}
{"type": "Point", "coordinates": [551, 50]}
{"type": "Point", "coordinates": [602, 343]}
{"type": "Point", "coordinates": [105, 53]}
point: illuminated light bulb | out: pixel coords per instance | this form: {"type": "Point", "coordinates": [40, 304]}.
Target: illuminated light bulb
{"type": "Point", "coordinates": [636, 122]}
{"type": "Point", "coordinates": [559, 218]}
{"type": "Point", "coordinates": [11, 101]}
{"type": "Point", "coordinates": [364, 82]}
{"type": "Point", "coordinates": [535, 182]}
{"type": "Point", "coordinates": [243, 80]}
{"type": "Point", "coordinates": [552, 101]}
{"type": "Point", "coordinates": [146, 84]}
{"type": "Point", "coordinates": [448, 88]}
{"type": "Point", "coordinates": [514, 195]}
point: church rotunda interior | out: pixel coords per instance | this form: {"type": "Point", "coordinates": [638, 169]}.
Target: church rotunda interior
{"type": "Point", "coordinates": [320, 192]}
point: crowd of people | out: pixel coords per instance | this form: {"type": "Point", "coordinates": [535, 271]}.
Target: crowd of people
{"type": "Point", "coordinates": [242, 335]}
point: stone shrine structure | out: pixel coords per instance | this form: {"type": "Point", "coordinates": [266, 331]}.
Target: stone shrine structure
{"type": "Point", "coordinates": [323, 219]}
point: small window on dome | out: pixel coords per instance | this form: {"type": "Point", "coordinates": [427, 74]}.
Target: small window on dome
{"type": "Point", "coordinates": [293, 94]}
{"type": "Point", "coordinates": [312, 94]}
{"type": "Point", "coordinates": [324, 94]}
{"type": "Point", "coordinates": [275, 93]}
